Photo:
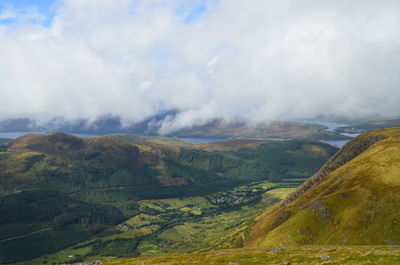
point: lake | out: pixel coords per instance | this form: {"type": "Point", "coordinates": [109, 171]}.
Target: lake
{"type": "Point", "coordinates": [330, 127]}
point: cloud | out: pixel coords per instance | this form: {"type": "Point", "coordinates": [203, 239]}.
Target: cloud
{"type": "Point", "coordinates": [261, 60]}
{"type": "Point", "coordinates": [7, 14]}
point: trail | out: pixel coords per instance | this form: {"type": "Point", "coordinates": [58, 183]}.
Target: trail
{"type": "Point", "coordinates": [32, 233]}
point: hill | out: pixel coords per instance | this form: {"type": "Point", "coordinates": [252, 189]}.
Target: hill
{"type": "Point", "coordinates": [275, 129]}
{"type": "Point", "coordinates": [352, 200]}
{"type": "Point", "coordinates": [150, 140]}
{"type": "Point", "coordinates": [368, 125]}
{"type": "Point", "coordinates": [3, 141]}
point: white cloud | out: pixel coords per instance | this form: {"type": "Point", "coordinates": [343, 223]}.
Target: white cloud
{"type": "Point", "coordinates": [7, 14]}
{"type": "Point", "coordinates": [260, 59]}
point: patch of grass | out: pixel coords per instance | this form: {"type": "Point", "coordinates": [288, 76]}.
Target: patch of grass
{"type": "Point", "coordinates": [142, 220]}
{"type": "Point", "coordinates": [295, 255]}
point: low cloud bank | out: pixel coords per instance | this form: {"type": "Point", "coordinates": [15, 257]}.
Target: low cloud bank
{"type": "Point", "coordinates": [258, 60]}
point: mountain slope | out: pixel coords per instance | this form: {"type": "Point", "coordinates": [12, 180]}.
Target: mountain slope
{"type": "Point", "coordinates": [353, 200]}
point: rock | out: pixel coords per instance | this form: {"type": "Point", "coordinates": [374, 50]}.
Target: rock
{"type": "Point", "coordinates": [235, 263]}
{"type": "Point", "coordinates": [324, 257]}
{"type": "Point", "coordinates": [285, 263]}
{"type": "Point", "coordinates": [343, 195]}
{"type": "Point", "coordinates": [321, 211]}
{"type": "Point", "coordinates": [276, 250]}
{"type": "Point", "coordinates": [391, 242]}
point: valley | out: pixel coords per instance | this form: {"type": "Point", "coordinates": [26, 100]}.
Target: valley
{"type": "Point", "coordinates": [170, 225]}
{"type": "Point", "coordinates": [124, 196]}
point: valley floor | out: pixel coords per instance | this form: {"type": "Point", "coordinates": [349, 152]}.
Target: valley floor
{"type": "Point", "coordinates": [175, 225]}
{"type": "Point", "coordinates": [383, 255]}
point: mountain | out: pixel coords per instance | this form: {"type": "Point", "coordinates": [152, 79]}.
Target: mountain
{"type": "Point", "coordinates": [352, 200]}
{"type": "Point", "coordinates": [57, 190]}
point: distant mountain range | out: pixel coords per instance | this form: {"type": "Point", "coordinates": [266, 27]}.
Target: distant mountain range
{"type": "Point", "coordinates": [151, 126]}
{"type": "Point", "coordinates": [102, 125]}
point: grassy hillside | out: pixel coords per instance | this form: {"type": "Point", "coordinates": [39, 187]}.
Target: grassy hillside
{"type": "Point", "coordinates": [57, 190]}
{"type": "Point", "coordinates": [308, 255]}
{"type": "Point", "coordinates": [353, 200]}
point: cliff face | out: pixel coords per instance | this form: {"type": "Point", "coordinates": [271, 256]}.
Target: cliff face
{"type": "Point", "coordinates": [353, 199]}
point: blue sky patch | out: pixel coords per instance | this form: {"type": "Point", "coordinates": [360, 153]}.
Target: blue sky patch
{"type": "Point", "coordinates": [11, 11]}
{"type": "Point", "coordinates": [196, 13]}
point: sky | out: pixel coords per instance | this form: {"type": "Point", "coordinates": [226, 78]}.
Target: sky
{"type": "Point", "coordinates": [259, 60]}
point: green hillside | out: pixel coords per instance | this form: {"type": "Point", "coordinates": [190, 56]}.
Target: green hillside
{"type": "Point", "coordinates": [353, 200]}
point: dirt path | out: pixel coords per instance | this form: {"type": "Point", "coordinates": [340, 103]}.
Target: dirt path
{"type": "Point", "coordinates": [16, 237]}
